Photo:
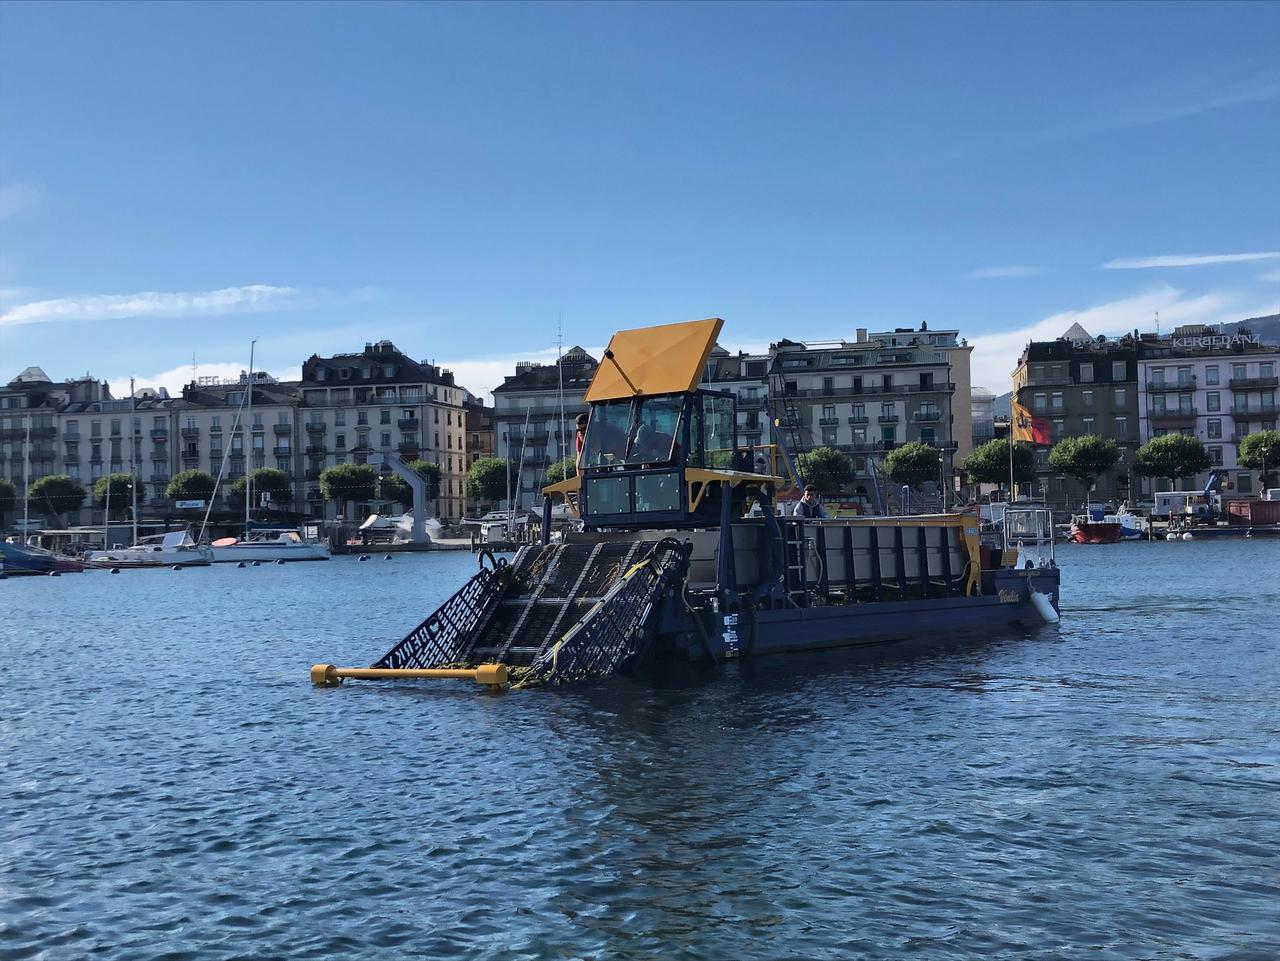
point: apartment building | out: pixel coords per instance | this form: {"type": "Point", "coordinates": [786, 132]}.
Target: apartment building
{"type": "Point", "coordinates": [529, 429]}
{"type": "Point", "coordinates": [746, 376]}
{"type": "Point", "coordinates": [1083, 385]}
{"type": "Point", "coordinates": [877, 391]}
{"type": "Point", "coordinates": [217, 429]}
{"type": "Point", "coordinates": [1213, 386]}
{"type": "Point", "coordinates": [75, 427]}
{"type": "Point", "coordinates": [381, 400]}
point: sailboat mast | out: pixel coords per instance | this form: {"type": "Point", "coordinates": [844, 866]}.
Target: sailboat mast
{"type": "Point", "coordinates": [133, 459]}
{"type": "Point", "coordinates": [248, 435]}
{"type": "Point", "coordinates": [26, 483]}
{"type": "Point", "coordinates": [560, 370]}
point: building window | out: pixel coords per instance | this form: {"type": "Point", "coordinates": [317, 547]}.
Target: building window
{"type": "Point", "coordinates": [436, 415]}
{"type": "Point", "coordinates": [1122, 428]}
{"type": "Point", "coordinates": [1118, 370]}
{"type": "Point", "coordinates": [1086, 398]}
{"type": "Point", "coordinates": [1214, 427]}
{"type": "Point", "coordinates": [386, 438]}
{"type": "Point", "coordinates": [1212, 400]}
{"type": "Point", "coordinates": [1184, 376]}
{"type": "Point", "coordinates": [1056, 399]}
{"type": "Point", "coordinates": [889, 435]}
{"type": "Point", "coordinates": [384, 416]}
{"type": "Point", "coordinates": [1157, 376]}
{"type": "Point", "coordinates": [927, 435]}
{"type": "Point", "coordinates": [1088, 425]}
{"type": "Point", "coordinates": [828, 411]}
{"type": "Point", "coordinates": [1239, 371]}
{"type": "Point", "coordinates": [362, 418]}
{"type": "Point", "coordinates": [1059, 428]}
{"type": "Point", "coordinates": [1040, 402]}
{"type": "Point", "coordinates": [1244, 484]}
{"type": "Point", "coordinates": [828, 385]}
{"type": "Point", "coordinates": [829, 436]}
{"type": "Point", "coordinates": [1266, 370]}
{"type": "Point", "coordinates": [1211, 374]}
{"type": "Point", "coordinates": [340, 441]}
{"type": "Point", "coordinates": [1118, 397]}
{"type": "Point", "coordinates": [1240, 402]}
{"type": "Point", "coordinates": [1086, 372]}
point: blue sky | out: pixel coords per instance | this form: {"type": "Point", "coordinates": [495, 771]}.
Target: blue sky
{"type": "Point", "coordinates": [176, 179]}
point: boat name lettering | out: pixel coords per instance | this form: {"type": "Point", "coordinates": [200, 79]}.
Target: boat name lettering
{"type": "Point", "coordinates": [1010, 597]}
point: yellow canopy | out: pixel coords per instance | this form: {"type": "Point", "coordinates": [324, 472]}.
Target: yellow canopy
{"type": "Point", "coordinates": [667, 359]}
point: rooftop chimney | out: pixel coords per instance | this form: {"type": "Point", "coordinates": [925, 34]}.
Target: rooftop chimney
{"type": "Point", "coordinates": [862, 335]}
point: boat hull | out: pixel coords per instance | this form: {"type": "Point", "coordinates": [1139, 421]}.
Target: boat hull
{"type": "Point", "coordinates": [106, 560]}
{"type": "Point", "coordinates": [1095, 533]}
{"type": "Point", "coordinates": [270, 551]}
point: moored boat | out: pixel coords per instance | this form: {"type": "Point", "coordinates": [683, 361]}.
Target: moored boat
{"type": "Point", "coordinates": [1085, 530]}
{"type": "Point", "coordinates": [19, 559]}
{"type": "Point", "coordinates": [175, 548]}
{"type": "Point", "coordinates": [274, 544]}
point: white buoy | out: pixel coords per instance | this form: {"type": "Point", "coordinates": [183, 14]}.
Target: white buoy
{"type": "Point", "coordinates": [242, 564]}
{"type": "Point", "coordinates": [257, 564]}
{"type": "Point", "coordinates": [364, 557]}
{"type": "Point", "coordinates": [279, 560]}
{"type": "Point", "coordinates": [177, 567]}
{"type": "Point", "coordinates": [1171, 537]}
{"type": "Point", "coordinates": [115, 570]}
{"type": "Point", "coordinates": [1187, 536]}
{"type": "Point", "coordinates": [386, 557]}
{"type": "Point", "coordinates": [55, 573]}
{"type": "Point", "coordinates": [1044, 607]}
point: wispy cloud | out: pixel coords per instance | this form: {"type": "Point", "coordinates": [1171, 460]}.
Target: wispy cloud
{"type": "Point", "coordinates": [995, 273]}
{"type": "Point", "coordinates": [1187, 260]}
{"type": "Point", "coordinates": [176, 378]}
{"type": "Point", "coordinates": [1271, 276]}
{"type": "Point", "coordinates": [254, 298]}
{"type": "Point", "coordinates": [996, 354]}
{"type": "Point", "coordinates": [16, 197]}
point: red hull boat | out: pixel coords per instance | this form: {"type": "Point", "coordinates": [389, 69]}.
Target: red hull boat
{"type": "Point", "coordinates": [1094, 532]}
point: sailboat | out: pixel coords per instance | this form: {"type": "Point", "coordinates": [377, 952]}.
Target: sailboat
{"type": "Point", "coordinates": [264, 543]}
{"type": "Point", "coordinates": [174, 549]}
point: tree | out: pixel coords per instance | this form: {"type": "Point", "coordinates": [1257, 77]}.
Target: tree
{"type": "Point", "coordinates": [397, 489]}
{"type": "Point", "coordinates": [119, 485]}
{"type": "Point", "coordinates": [561, 469]}
{"type": "Point", "coordinates": [913, 463]}
{"type": "Point", "coordinates": [1260, 452]}
{"type": "Point", "coordinates": [349, 482]}
{"type": "Point", "coordinates": [190, 485]}
{"type": "Point", "coordinates": [266, 480]}
{"type": "Point", "coordinates": [57, 494]}
{"type": "Point", "coordinates": [487, 479]}
{"type": "Point", "coordinates": [1084, 458]}
{"type": "Point", "coordinates": [989, 463]}
{"type": "Point", "coordinates": [825, 469]}
{"type": "Point", "coordinates": [1172, 456]}
{"type": "Point", "coordinates": [8, 498]}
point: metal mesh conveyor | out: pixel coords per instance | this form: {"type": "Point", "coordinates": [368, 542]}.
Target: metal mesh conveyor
{"type": "Point", "coordinates": [560, 612]}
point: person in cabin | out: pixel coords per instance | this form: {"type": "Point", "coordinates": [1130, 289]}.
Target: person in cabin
{"type": "Point", "coordinates": [808, 505]}
{"type": "Point", "coordinates": [579, 439]}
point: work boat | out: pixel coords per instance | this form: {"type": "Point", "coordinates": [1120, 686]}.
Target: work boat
{"type": "Point", "coordinates": [670, 566]}
{"type": "Point", "coordinates": [275, 544]}
{"type": "Point", "coordinates": [173, 549]}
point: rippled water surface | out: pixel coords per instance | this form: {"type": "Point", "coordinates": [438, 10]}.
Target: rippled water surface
{"type": "Point", "coordinates": [171, 786]}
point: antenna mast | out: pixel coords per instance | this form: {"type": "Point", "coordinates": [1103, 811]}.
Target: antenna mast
{"type": "Point", "coordinates": [560, 371]}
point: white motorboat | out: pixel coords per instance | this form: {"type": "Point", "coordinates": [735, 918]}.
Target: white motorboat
{"type": "Point", "coordinates": [276, 544]}
{"type": "Point", "coordinates": [174, 549]}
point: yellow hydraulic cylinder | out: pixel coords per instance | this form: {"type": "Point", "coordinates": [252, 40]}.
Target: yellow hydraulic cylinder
{"type": "Point", "coordinates": [490, 675]}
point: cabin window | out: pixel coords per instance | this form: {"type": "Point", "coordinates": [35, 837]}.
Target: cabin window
{"type": "Point", "coordinates": [641, 432]}
{"type": "Point", "coordinates": [608, 495]}
{"type": "Point", "coordinates": [657, 492]}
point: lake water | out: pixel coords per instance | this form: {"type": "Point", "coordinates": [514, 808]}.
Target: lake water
{"type": "Point", "coordinates": [171, 786]}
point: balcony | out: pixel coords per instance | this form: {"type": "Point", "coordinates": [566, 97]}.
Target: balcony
{"type": "Point", "coordinates": [283, 430]}
{"type": "Point", "coordinates": [1261, 414]}
{"type": "Point", "coordinates": [315, 494]}
{"type": "Point", "coordinates": [282, 451]}
{"type": "Point", "coordinates": [750, 403]}
{"type": "Point", "coordinates": [408, 423]}
{"type": "Point", "coordinates": [159, 433]}
{"type": "Point", "coordinates": [408, 448]}
{"type": "Point", "coordinates": [41, 432]}
{"type": "Point", "coordinates": [214, 429]}
{"type": "Point", "coordinates": [192, 455]}
{"type": "Point", "coordinates": [888, 418]}
{"type": "Point", "coordinates": [317, 427]}
{"type": "Point", "coordinates": [1253, 383]}
{"type": "Point", "coordinates": [1158, 386]}
{"type": "Point", "coordinates": [858, 419]}
{"type": "Point", "coordinates": [258, 428]}
{"type": "Point", "coordinates": [159, 479]}
{"type": "Point", "coordinates": [313, 474]}
{"type": "Point", "coordinates": [926, 416]}
{"type": "Point", "coordinates": [95, 458]}
{"type": "Point", "coordinates": [317, 450]}
{"type": "Point", "coordinates": [828, 421]}
{"type": "Point", "coordinates": [1172, 416]}
{"type": "Point", "coordinates": [13, 433]}
{"type": "Point", "coordinates": [160, 457]}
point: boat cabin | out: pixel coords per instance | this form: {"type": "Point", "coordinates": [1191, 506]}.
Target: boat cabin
{"type": "Point", "coordinates": [660, 452]}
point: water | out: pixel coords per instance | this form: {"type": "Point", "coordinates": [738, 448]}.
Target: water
{"type": "Point", "coordinates": [171, 786]}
